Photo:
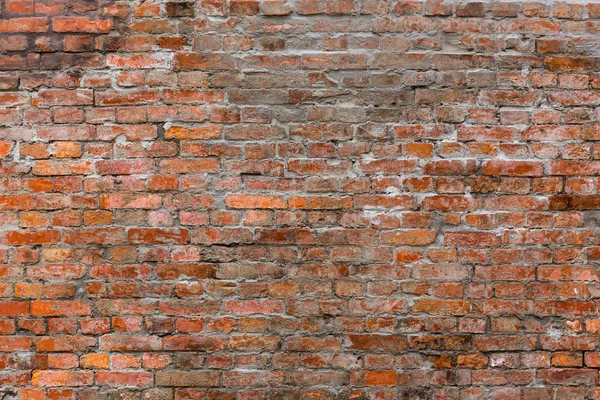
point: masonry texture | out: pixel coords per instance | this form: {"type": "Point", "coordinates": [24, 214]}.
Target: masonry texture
{"type": "Point", "coordinates": [337, 199]}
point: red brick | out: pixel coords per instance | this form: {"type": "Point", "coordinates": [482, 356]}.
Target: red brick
{"type": "Point", "coordinates": [28, 24]}
{"type": "Point", "coordinates": [575, 202]}
{"type": "Point", "coordinates": [547, 133]}
{"type": "Point", "coordinates": [117, 98]}
{"type": "Point", "coordinates": [216, 61]}
{"type": "Point", "coordinates": [194, 133]}
{"type": "Point", "coordinates": [64, 97]}
{"type": "Point", "coordinates": [15, 343]}
{"type": "Point", "coordinates": [66, 132]}
{"type": "Point", "coordinates": [481, 239]}
{"type": "Point", "coordinates": [16, 202]}
{"type": "Point", "coordinates": [309, 199]}
{"type": "Point", "coordinates": [19, 6]}
{"type": "Point", "coordinates": [182, 166]}
{"type": "Point", "coordinates": [243, 7]}
{"type": "Point", "coordinates": [130, 132]}
{"type": "Point", "coordinates": [63, 168]}
{"type": "Point", "coordinates": [124, 167]}
{"type": "Point", "coordinates": [59, 308]}
{"type": "Point", "coordinates": [374, 378]}
{"type": "Point", "coordinates": [409, 237]}
{"type": "Point", "coordinates": [130, 200]}
{"type": "Point", "coordinates": [119, 379]}
{"type": "Point", "coordinates": [20, 238]}
{"type": "Point", "coordinates": [250, 201]}
{"type": "Point", "coordinates": [62, 378]}
{"type": "Point", "coordinates": [450, 203]}
{"type": "Point", "coordinates": [376, 341]}
{"type": "Point", "coordinates": [175, 271]}
{"type": "Point", "coordinates": [117, 342]}
{"type": "Point", "coordinates": [78, 44]}
{"type": "Point", "coordinates": [443, 307]}
{"type": "Point", "coordinates": [14, 309]}
{"type": "Point", "coordinates": [568, 377]}
{"type": "Point", "coordinates": [192, 96]}
{"type": "Point", "coordinates": [157, 236]}
{"type": "Point", "coordinates": [81, 24]}
{"type": "Point", "coordinates": [194, 343]}
{"type": "Point", "coordinates": [480, 133]}
{"type": "Point", "coordinates": [513, 168]}
{"type": "Point", "coordinates": [94, 361]}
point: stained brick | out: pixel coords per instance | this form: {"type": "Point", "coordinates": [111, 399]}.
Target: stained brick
{"type": "Point", "coordinates": [315, 199]}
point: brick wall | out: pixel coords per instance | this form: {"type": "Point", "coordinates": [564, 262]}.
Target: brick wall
{"type": "Point", "coordinates": [336, 199]}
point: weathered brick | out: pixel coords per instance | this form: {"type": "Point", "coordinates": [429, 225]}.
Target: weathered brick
{"type": "Point", "coordinates": [124, 167]}
{"type": "Point", "coordinates": [188, 378]}
{"type": "Point", "coordinates": [299, 198]}
{"type": "Point", "coordinates": [63, 168]}
{"type": "Point", "coordinates": [471, 239]}
{"type": "Point", "coordinates": [81, 24]}
{"type": "Point", "coordinates": [121, 379]}
{"type": "Point", "coordinates": [25, 24]}
{"type": "Point", "coordinates": [59, 308]}
{"type": "Point", "coordinates": [62, 378]}
{"type": "Point", "coordinates": [513, 168]}
{"type": "Point", "coordinates": [64, 97]}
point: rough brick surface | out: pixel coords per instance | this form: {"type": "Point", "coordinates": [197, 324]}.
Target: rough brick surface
{"type": "Point", "coordinates": [299, 199]}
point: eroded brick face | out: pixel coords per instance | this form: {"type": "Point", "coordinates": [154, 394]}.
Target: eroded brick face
{"type": "Point", "coordinates": [309, 199]}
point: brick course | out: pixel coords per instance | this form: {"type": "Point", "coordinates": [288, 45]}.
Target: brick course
{"type": "Point", "coordinates": [301, 199]}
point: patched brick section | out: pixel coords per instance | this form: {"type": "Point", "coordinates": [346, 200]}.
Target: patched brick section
{"type": "Point", "coordinates": [299, 199]}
